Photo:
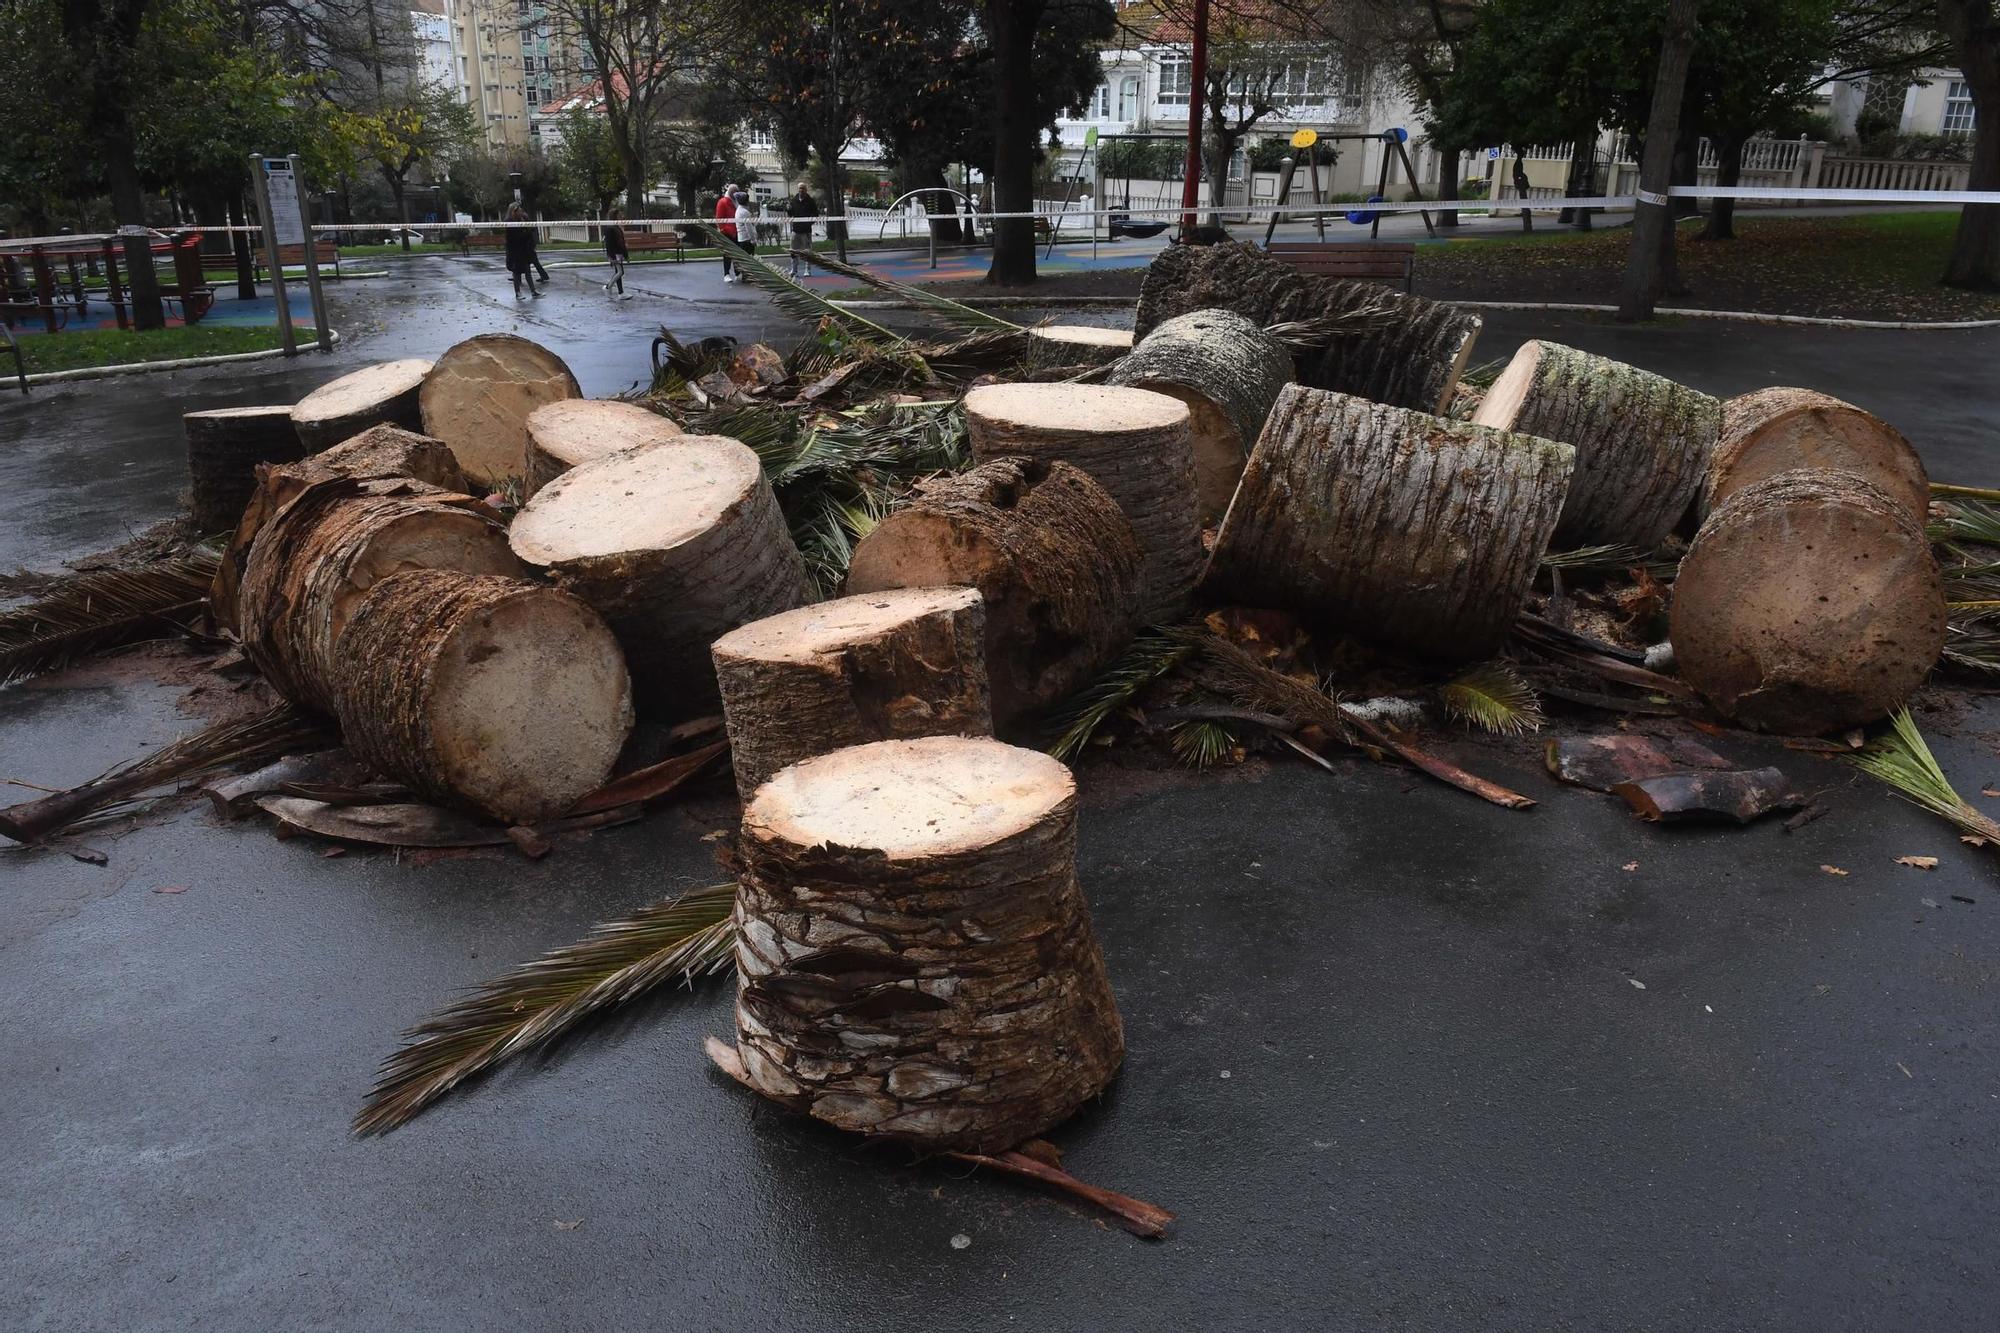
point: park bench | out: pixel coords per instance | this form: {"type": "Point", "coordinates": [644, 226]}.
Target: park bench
{"type": "Point", "coordinates": [646, 241]}
{"type": "Point", "coordinates": [1387, 262]}
{"type": "Point", "coordinates": [13, 349]}
{"type": "Point", "coordinates": [294, 256]}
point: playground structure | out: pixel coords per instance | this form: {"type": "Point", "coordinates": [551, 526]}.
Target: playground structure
{"type": "Point", "coordinates": [44, 277]}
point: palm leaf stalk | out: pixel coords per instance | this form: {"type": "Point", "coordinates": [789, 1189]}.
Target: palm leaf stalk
{"type": "Point", "coordinates": [1901, 758]}
{"type": "Point", "coordinates": [797, 300]}
{"type": "Point", "coordinates": [1493, 696]}
{"type": "Point", "coordinates": [681, 939]}
{"type": "Point", "coordinates": [1148, 658]}
{"type": "Point", "coordinates": [1615, 558]}
{"type": "Point", "coordinates": [954, 313]}
{"type": "Point", "coordinates": [79, 614]}
{"type": "Point", "coordinates": [1944, 489]}
{"type": "Point", "coordinates": [248, 743]}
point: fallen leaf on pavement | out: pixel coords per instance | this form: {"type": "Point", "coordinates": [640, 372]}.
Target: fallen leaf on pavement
{"type": "Point", "coordinates": [1833, 870]}
{"type": "Point", "coordinates": [1918, 862]}
{"type": "Point", "coordinates": [171, 888]}
{"type": "Point", "coordinates": [1630, 865]}
{"type": "Point", "coordinates": [1636, 983]}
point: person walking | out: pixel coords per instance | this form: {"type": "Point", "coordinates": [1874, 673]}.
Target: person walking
{"type": "Point", "coordinates": [521, 252]}
{"type": "Point", "coordinates": [615, 251]}
{"type": "Point", "coordinates": [802, 205]}
{"type": "Point", "coordinates": [746, 227]}
{"type": "Point", "coordinates": [725, 222]}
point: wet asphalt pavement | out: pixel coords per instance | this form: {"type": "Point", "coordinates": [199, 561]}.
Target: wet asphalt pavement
{"type": "Point", "coordinates": [1398, 1059]}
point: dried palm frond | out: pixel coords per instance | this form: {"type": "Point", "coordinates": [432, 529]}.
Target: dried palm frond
{"type": "Point", "coordinates": [979, 353]}
{"type": "Point", "coordinates": [1148, 658]}
{"type": "Point", "coordinates": [1202, 744]}
{"type": "Point", "coordinates": [1481, 376]}
{"type": "Point", "coordinates": [79, 614]}
{"type": "Point", "coordinates": [1973, 645]}
{"type": "Point", "coordinates": [1311, 335]}
{"type": "Point", "coordinates": [1616, 558]}
{"type": "Point", "coordinates": [797, 300]}
{"type": "Point", "coordinates": [246, 744]}
{"type": "Point", "coordinates": [954, 313]}
{"type": "Point", "coordinates": [1902, 759]}
{"type": "Point", "coordinates": [1494, 696]}
{"type": "Point", "coordinates": [681, 939]}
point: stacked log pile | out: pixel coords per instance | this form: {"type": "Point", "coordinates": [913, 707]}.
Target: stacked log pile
{"type": "Point", "coordinates": [478, 398]}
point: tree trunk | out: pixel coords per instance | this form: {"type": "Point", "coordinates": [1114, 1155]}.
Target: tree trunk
{"type": "Point", "coordinates": [314, 559]}
{"type": "Point", "coordinates": [494, 693]}
{"type": "Point", "coordinates": [1776, 430]}
{"type": "Point", "coordinates": [1642, 442]}
{"type": "Point", "coordinates": [1810, 602]}
{"type": "Point", "coordinates": [1049, 551]}
{"type": "Point", "coordinates": [128, 206]}
{"type": "Point", "coordinates": [915, 959]}
{"type": "Point", "coordinates": [1721, 224]}
{"type": "Point", "coordinates": [224, 447]}
{"type": "Point", "coordinates": [1011, 27]}
{"type": "Point", "coordinates": [478, 396]}
{"type": "Point", "coordinates": [674, 547]}
{"type": "Point", "coordinates": [574, 431]}
{"type": "Point", "coordinates": [1974, 29]}
{"type": "Point", "coordinates": [1650, 253]}
{"type": "Point", "coordinates": [878, 666]}
{"type": "Point", "coordinates": [835, 186]}
{"type": "Point", "coordinates": [402, 193]}
{"type": "Point", "coordinates": [246, 262]}
{"type": "Point", "coordinates": [1229, 372]}
{"type": "Point", "coordinates": [382, 394]}
{"type": "Point", "coordinates": [1408, 530]}
{"type": "Point", "coordinates": [1134, 444]}
{"type": "Point", "coordinates": [1447, 181]}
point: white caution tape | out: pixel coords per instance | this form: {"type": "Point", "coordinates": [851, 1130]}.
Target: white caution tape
{"type": "Point", "coordinates": [1648, 197]}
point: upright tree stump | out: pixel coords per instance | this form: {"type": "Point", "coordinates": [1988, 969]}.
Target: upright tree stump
{"type": "Point", "coordinates": [1229, 372]}
{"type": "Point", "coordinates": [915, 959]}
{"type": "Point", "coordinates": [1642, 441]}
{"type": "Point", "coordinates": [878, 666]}
{"type": "Point", "coordinates": [318, 556]}
{"type": "Point", "coordinates": [1809, 602]}
{"type": "Point", "coordinates": [506, 696]}
{"type": "Point", "coordinates": [478, 396]}
{"type": "Point", "coordinates": [1404, 529]}
{"type": "Point", "coordinates": [1134, 444]}
{"type": "Point", "coordinates": [381, 394]}
{"type": "Point", "coordinates": [674, 548]}
{"type": "Point", "coordinates": [1776, 430]}
{"type": "Point", "coordinates": [1051, 554]}
{"type": "Point", "coordinates": [224, 447]}
{"type": "Point", "coordinates": [1077, 344]}
{"type": "Point", "coordinates": [571, 431]}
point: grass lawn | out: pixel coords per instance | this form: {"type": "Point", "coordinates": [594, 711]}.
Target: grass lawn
{"type": "Point", "coordinates": [113, 347]}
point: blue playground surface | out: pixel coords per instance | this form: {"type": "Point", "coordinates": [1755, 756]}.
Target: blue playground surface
{"type": "Point", "coordinates": [227, 312]}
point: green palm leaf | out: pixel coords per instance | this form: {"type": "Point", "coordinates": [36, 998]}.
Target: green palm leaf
{"type": "Point", "coordinates": [955, 313]}
{"type": "Point", "coordinates": [1494, 696]}
{"type": "Point", "coordinates": [798, 301]}
{"type": "Point", "coordinates": [1902, 759]}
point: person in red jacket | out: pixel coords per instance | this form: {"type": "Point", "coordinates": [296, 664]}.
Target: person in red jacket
{"type": "Point", "coordinates": [725, 222]}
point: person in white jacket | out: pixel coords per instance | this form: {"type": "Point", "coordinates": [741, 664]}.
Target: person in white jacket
{"type": "Point", "coordinates": [746, 225]}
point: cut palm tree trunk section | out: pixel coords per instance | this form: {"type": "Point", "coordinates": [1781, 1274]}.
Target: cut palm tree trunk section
{"type": "Point", "coordinates": [563, 434]}
{"type": "Point", "coordinates": [1413, 360]}
{"type": "Point", "coordinates": [914, 956]}
{"type": "Point", "coordinates": [478, 397]}
{"type": "Point", "coordinates": [1642, 442]}
{"type": "Point", "coordinates": [497, 694]}
{"type": "Point", "coordinates": [888, 665]}
{"type": "Point", "coordinates": [1809, 602]}
{"type": "Point", "coordinates": [1776, 430]}
{"type": "Point", "coordinates": [317, 557]}
{"type": "Point", "coordinates": [1077, 344]}
{"type": "Point", "coordinates": [377, 395]}
{"type": "Point", "coordinates": [1134, 444]}
{"type": "Point", "coordinates": [1229, 373]}
{"type": "Point", "coordinates": [674, 548]}
{"type": "Point", "coordinates": [1404, 529]}
{"type": "Point", "coordinates": [224, 447]}
{"type": "Point", "coordinates": [378, 453]}
{"type": "Point", "coordinates": [1053, 558]}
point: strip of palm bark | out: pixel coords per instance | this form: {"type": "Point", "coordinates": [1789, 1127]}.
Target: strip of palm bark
{"type": "Point", "coordinates": [1135, 1215]}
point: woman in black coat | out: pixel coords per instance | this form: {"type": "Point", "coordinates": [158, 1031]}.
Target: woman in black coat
{"type": "Point", "coordinates": [521, 252]}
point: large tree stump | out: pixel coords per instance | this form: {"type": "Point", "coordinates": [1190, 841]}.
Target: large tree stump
{"type": "Point", "coordinates": [1077, 344]}
{"type": "Point", "coordinates": [1404, 529]}
{"type": "Point", "coordinates": [572, 431]}
{"type": "Point", "coordinates": [478, 396]}
{"type": "Point", "coordinates": [1134, 444]}
{"type": "Point", "coordinates": [1776, 430]}
{"type": "Point", "coordinates": [1228, 371]}
{"type": "Point", "coordinates": [224, 447]}
{"type": "Point", "coordinates": [879, 666]}
{"type": "Point", "coordinates": [1412, 360]}
{"type": "Point", "coordinates": [1051, 553]}
{"type": "Point", "coordinates": [1642, 441]}
{"type": "Point", "coordinates": [381, 394]}
{"type": "Point", "coordinates": [915, 961]}
{"type": "Point", "coordinates": [318, 556]}
{"type": "Point", "coordinates": [674, 548]}
{"type": "Point", "coordinates": [1809, 602]}
{"type": "Point", "coordinates": [506, 696]}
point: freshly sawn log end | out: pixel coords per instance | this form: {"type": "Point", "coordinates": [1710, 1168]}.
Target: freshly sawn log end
{"type": "Point", "coordinates": [1808, 603]}
{"type": "Point", "coordinates": [885, 665]}
{"type": "Point", "coordinates": [478, 396]}
{"type": "Point", "coordinates": [224, 447]}
{"type": "Point", "coordinates": [1775, 430]}
{"type": "Point", "coordinates": [1409, 530]}
{"type": "Point", "coordinates": [1078, 344]}
{"type": "Point", "coordinates": [1051, 554]}
{"type": "Point", "coordinates": [915, 959]}
{"type": "Point", "coordinates": [384, 393]}
{"type": "Point", "coordinates": [572, 431]}
{"type": "Point", "coordinates": [1643, 443]}
{"type": "Point", "coordinates": [501, 695]}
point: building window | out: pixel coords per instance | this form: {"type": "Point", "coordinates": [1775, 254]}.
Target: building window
{"type": "Point", "coordinates": [1128, 97]}
{"type": "Point", "coordinates": [1175, 79]}
{"type": "Point", "coordinates": [765, 139]}
{"type": "Point", "coordinates": [1958, 113]}
{"type": "Point", "coordinates": [1100, 102]}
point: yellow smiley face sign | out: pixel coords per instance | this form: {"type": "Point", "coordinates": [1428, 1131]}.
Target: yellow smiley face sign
{"type": "Point", "coordinates": [1304, 138]}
